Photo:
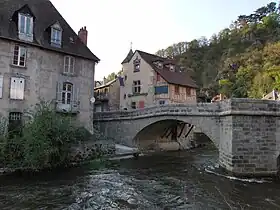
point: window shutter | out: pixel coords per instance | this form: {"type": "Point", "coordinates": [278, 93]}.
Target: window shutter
{"type": "Point", "coordinates": [65, 68]}
{"type": "Point", "coordinates": [1, 86]}
{"type": "Point", "coordinates": [72, 65]}
{"type": "Point", "coordinates": [59, 91]}
{"type": "Point", "coordinates": [20, 88]}
{"type": "Point", "coordinates": [13, 86]}
{"type": "Point", "coordinates": [31, 26]}
{"type": "Point", "coordinates": [76, 92]}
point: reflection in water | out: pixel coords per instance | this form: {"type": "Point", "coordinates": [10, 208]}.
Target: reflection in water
{"type": "Point", "coordinates": [176, 180]}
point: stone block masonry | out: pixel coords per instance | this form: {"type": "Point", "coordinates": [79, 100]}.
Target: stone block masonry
{"type": "Point", "coordinates": [245, 131]}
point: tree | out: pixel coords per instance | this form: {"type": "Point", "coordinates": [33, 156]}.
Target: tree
{"type": "Point", "coordinates": [113, 75]}
{"type": "Point", "coordinates": [240, 61]}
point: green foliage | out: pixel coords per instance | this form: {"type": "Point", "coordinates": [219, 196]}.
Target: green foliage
{"type": "Point", "coordinates": [45, 142]}
{"type": "Point", "coordinates": [240, 61]}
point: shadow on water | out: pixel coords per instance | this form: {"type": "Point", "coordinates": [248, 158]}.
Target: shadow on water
{"type": "Point", "coordinates": [173, 180]}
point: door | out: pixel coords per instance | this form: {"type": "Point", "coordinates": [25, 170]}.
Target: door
{"type": "Point", "coordinates": [141, 104]}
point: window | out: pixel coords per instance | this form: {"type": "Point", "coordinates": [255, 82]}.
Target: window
{"type": "Point", "coordinates": [106, 91]}
{"type": "Point", "coordinates": [56, 35]}
{"type": "Point", "coordinates": [124, 96]}
{"type": "Point", "coordinates": [15, 123]}
{"type": "Point", "coordinates": [161, 102]}
{"type": "Point", "coordinates": [136, 86]}
{"type": "Point", "coordinates": [171, 68]}
{"type": "Point", "coordinates": [17, 88]}
{"type": "Point", "coordinates": [68, 64]}
{"type": "Point", "coordinates": [136, 67]}
{"type": "Point", "coordinates": [125, 77]}
{"type": "Point", "coordinates": [136, 63]}
{"type": "Point", "coordinates": [133, 105]}
{"type": "Point", "coordinates": [158, 77]}
{"type": "Point", "coordinates": [67, 92]}
{"type": "Point", "coordinates": [160, 65]}
{"type": "Point", "coordinates": [19, 56]}
{"type": "Point", "coordinates": [188, 91]}
{"type": "Point", "coordinates": [177, 90]}
{"type": "Point", "coordinates": [25, 27]}
{"type": "Point", "coordinates": [161, 90]}
{"type": "Point", "coordinates": [1, 85]}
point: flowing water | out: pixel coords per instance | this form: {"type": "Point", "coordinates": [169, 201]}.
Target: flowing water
{"type": "Point", "coordinates": [170, 180]}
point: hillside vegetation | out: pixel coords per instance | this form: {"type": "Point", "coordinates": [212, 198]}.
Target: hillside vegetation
{"type": "Point", "coordinates": [242, 60]}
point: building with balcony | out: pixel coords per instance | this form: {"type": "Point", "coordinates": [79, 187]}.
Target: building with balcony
{"type": "Point", "coordinates": [150, 80]}
{"type": "Point", "coordinates": [107, 96]}
{"type": "Point", "coordinates": [42, 58]}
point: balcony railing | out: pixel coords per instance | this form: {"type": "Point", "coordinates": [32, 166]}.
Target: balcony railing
{"type": "Point", "coordinates": [101, 97]}
{"type": "Point", "coordinates": [73, 107]}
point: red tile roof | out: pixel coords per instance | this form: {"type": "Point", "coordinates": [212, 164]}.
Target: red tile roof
{"type": "Point", "coordinates": [177, 77]}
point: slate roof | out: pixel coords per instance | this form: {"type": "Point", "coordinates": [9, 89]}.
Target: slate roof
{"type": "Point", "coordinates": [128, 57]}
{"type": "Point", "coordinates": [176, 77]}
{"type": "Point", "coordinates": [45, 15]}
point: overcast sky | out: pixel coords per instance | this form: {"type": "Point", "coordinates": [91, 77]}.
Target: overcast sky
{"type": "Point", "coordinates": [149, 24]}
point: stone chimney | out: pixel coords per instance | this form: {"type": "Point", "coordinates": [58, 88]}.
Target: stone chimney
{"type": "Point", "coordinates": [83, 33]}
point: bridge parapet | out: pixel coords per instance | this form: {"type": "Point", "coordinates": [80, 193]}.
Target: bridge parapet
{"type": "Point", "coordinates": [234, 106]}
{"type": "Point", "coordinates": [208, 109]}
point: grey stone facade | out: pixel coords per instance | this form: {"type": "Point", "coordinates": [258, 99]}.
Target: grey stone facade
{"type": "Point", "coordinates": [42, 74]}
{"type": "Point", "coordinates": [245, 131]}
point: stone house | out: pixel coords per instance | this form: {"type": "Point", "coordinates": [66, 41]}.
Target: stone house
{"type": "Point", "coordinates": [107, 96]}
{"type": "Point", "coordinates": [152, 80]}
{"type": "Point", "coordinates": [42, 58]}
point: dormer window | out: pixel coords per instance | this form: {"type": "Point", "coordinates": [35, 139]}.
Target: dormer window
{"type": "Point", "coordinates": [56, 35]}
{"type": "Point", "coordinates": [136, 63]}
{"type": "Point", "coordinates": [25, 27]}
{"type": "Point", "coordinates": [159, 65]}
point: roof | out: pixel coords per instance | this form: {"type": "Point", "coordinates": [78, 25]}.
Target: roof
{"type": "Point", "coordinates": [45, 15]}
{"type": "Point", "coordinates": [106, 85]}
{"type": "Point", "coordinates": [176, 77]}
{"type": "Point", "coordinates": [128, 57]}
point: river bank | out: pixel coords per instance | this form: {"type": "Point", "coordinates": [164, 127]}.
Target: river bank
{"type": "Point", "coordinates": [81, 154]}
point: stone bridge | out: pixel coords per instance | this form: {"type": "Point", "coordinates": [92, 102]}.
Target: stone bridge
{"type": "Point", "coordinates": [245, 131]}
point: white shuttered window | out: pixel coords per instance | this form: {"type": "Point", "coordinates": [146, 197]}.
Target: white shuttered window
{"type": "Point", "coordinates": [17, 88]}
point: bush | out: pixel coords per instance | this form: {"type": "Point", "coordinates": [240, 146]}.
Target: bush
{"type": "Point", "coordinates": [45, 141]}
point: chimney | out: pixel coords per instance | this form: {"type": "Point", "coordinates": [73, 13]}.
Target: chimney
{"type": "Point", "coordinates": [83, 33]}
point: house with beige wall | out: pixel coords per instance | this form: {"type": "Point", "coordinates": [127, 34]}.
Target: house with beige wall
{"type": "Point", "coordinates": [152, 80]}
{"type": "Point", "coordinates": [107, 96]}
{"type": "Point", "coordinates": [42, 58]}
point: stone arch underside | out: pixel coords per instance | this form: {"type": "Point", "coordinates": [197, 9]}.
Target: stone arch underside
{"type": "Point", "coordinates": [124, 131]}
{"type": "Point", "coordinates": [208, 125]}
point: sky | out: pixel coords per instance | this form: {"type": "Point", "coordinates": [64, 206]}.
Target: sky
{"type": "Point", "coordinates": [149, 24]}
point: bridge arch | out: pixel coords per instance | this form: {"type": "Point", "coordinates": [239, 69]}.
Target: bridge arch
{"type": "Point", "coordinates": [152, 129]}
{"type": "Point", "coordinates": [243, 129]}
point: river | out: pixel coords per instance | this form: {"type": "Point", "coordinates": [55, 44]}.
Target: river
{"type": "Point", "coordinates": [169, 180]}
